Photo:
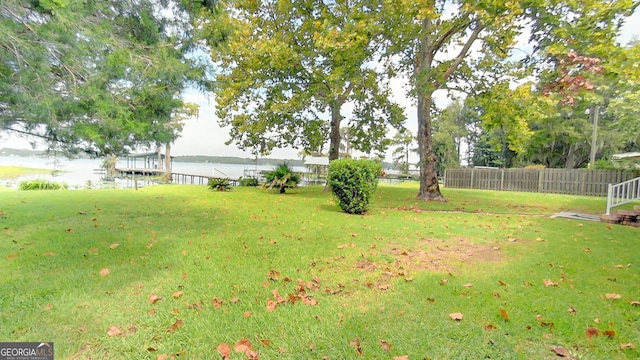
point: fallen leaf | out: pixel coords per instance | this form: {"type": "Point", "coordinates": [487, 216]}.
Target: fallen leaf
{"type": "Point", "coordinates": [114, 331]}
{"type": "Point", "coordinates": [443, 281]}
{"type": "Point", "coordinates": [620, 266]}
{"type": "Point", "coordinates": [177, 294]}
{"type": "Point", "coordinates": [502, 283]}
{"type": "Point", "coordinates": [48, 307]}
{"type": "Point", "coordinates": [283, 350]}
{"type": "Point", "coordinates": [151, 349]}
{"type": "Point", "coordinates": [153, 298]}
{"type": "Point", "coordinates": [355, 344]}
{"type": "Point", "coordinates": [312, 347]}
{"type": "Point", "coordinates": [571, 310]}
{"type": "Point", "coordinates": [113, 246]}
{"type": "Point", "coordinates": [251, 355]}
{"type": "Point", "coordinates": [548, 282]}
{"type": "Point", "coordinates": [265, 342]}
{"type": "Point", "coordinates": [609, 333]}
{"type": "Point", "coordinates": [490, 327]}
{"type": "Point", "coordinates": [224, 349]}
{"type": "Point", "coordinates": [467, 285]}
{"type": "Point", "coordinates": [234, 300]}
{"type": "Point", "coordinates": [12, 256]}
{"type": "Point", "coordinates": [152, 311]}
{"type": "Point", "coordinates": [162, 357]}
{"type": "Point", "coordinates": [504, 314]}
{"type": "Point", "coordinates": [612, 296]}
{"type": "Point", "coordinates": [634, 303]}
{"type": "Point", "coordinates": [456, 316]}
{"type": "Point", "coordinates": [384, 287]}
{"type": "Point", "coordinates": [627, 346]}
{"type": "Point", "coordinates": [343, 246]}
{"type": "Point", "coordinates": [243, 345]}
{"type": "Point", "coordinates": [104, 272]}
{"type": "Point", "coordinates": [246, 314]}
{"type": "Point", "coordinates": [591, 332]}
{"type": "Point", "coordinates": [176, 325]}
{"type": "Point", "coordinates": [560, 351]}
{"type": "Point", "coordinates": [385, 345]}
{"type": "Point", "coordinates": [401, 357]}
{"type": "Point", "coordinates": [274, 275]}
{"type": "Point", "coordinates": [175, 311]}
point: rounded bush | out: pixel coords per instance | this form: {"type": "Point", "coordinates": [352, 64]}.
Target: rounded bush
{"type": "Point", "coordinates": [353, 182]}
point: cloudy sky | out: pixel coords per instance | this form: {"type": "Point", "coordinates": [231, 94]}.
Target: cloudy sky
{"type": "Point", "coordinates": [203, 136]}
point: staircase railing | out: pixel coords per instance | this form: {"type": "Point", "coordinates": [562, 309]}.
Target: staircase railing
{"type": "Point", "coordinates": [622, 193]}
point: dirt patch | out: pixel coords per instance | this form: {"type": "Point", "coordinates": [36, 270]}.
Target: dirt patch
{"type": "Point", "coordinates": [444, 255]}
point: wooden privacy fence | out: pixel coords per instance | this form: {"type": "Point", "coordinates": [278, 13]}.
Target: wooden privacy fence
{"type": "Point", "coordinates": [559, 181]}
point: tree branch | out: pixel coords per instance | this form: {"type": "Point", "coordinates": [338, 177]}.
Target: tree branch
{"type": "Point", "coordinates": [463, 52]}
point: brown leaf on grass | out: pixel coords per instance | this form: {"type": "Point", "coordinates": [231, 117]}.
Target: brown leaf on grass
{"type": "Point", "coordinates": [619, 266]}
{"type": "Point", "coordinates": [252, 355]}
{"type": "Point", "coordinates": [12, 256]}
{"type": "Point", "coordinates": [246, 314]}
{"type": "Point", "coordinates": [162, 357]}
{"type": "Point", "coordinates": [217, 303]}
{"type": "Point", "coordinates": [312, 347]}
{"type": "Point", "coordinates": [176, 325]}
{"type": "Point", "coordinates": [612, 296]}
{"type": "Point", "coordinates": [591, 332]}
{"type": "Point", "coordinates": [490, 327]}
{"type": "Point", "coordinates": [571, 310]}
{"type": "Point", "coordinates": [609, 333]}
{"type": "Point", "coordinates": [234, 300]}
{"type": "Point", "coordinates": [177, 294]}
{"type": "Point", "coordinates": [549, 282]}
{"type": "Point", "coordinates": [113, 246]}
{"type": "Point", "coordinates": [104, 272]}
{"type": "Point", "coordinates": [265, 342]}
{"type": "Point", "coordinates": [634, 303]}
{"type": "Point", "coordinates": [467, 285]}
{"type": "Point", "coordinates": [401, 357]}
{"type": "Point", "coordinates": [456, 316]}
{"type": "Point", "coordinates": [343, 246]}
{"type": "Point", "coordinates": [271, 305]}
{"type": "Point", "coordinates": [48, 307]}
{"type": "Point", "coordinates": [274, 275]}
{"type": "Point", "coordinates": [152, 311]}
{"type": "Point", "coordinates": [384, 287]}
{"type": "Point", "coordinates": [385, 345]}
{"type": "Point", "coordinates": [504, 314]}
{"type": "Point", "coordinates": [225, 350]}
{"type": "Point", "coordinates": [502, 283]}
{"type": "Point", "coordinates": [355, 344]}
{"type": "Point", "coordinates": [627, 346]}
{"type": "Point", "coordinates": [243, 345]}
{"type": "Point", "coordinates": [283, 350]}
{"type": "Point", "coordinates": [49, 253]}
{"type": "Point", "coordinates": [153, 298]}
{"type": "Point", "coordinates": [443, 281]}
{"type": "Point", "coordinates": [114, 331]}
{"type": "Point", "coordinates": [560, 351]}
{"type": "Point", "coordinates": [151, 349]}
{"type": "Point", "coordinates": [175, 311]}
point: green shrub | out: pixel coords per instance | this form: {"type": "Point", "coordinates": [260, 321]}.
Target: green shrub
{"type": "Point", "coordinates": [353, 182]}
{"type": "Point", "coordinates": [281, 178]}
{"type": "Point", "coordinates": [40, 184]}
{"type": "Point", "coordinates": [249, 181]}
{"type": "Point", "coordinates": [219, 184]}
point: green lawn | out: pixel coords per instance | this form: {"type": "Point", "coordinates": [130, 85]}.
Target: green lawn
{"type": "Point", "coordinates": [180, 270]}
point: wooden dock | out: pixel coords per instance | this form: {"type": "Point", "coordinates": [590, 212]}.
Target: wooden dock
{"type": "Point", "coordinates": [176, 178]}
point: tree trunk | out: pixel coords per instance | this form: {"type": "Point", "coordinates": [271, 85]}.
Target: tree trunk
{"type": "Point", "coordinates": [429, 187]}
{"type": "Point", "coordinates": [167, 161]}
{"type": "Point", "coordinates": [336, 118]}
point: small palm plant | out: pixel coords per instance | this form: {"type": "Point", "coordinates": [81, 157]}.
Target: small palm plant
{"type": "Point", "coordinates": [281, 178]}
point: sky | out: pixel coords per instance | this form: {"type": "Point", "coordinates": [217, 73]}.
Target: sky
{"type": "Point", "coordinates": [203, 136]}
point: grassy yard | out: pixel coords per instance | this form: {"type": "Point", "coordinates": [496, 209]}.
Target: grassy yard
{"type": "Point", "coordinates": [181, 271]}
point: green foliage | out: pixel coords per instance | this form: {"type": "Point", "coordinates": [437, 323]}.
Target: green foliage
{"type": "Point", "coordinates": [353, 183]}
{"type": "Point", "coordinates": [249, 182]}
{"type": "Point", "coordinates": [281, 178]}
{"type": "Point", "coordinates": [219, 184]}
{"type": "Point", "coordinates": [40, 184]}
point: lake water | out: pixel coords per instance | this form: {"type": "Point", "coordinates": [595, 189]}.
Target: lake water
{"type": "Point", "coordinates": [84, 173]}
